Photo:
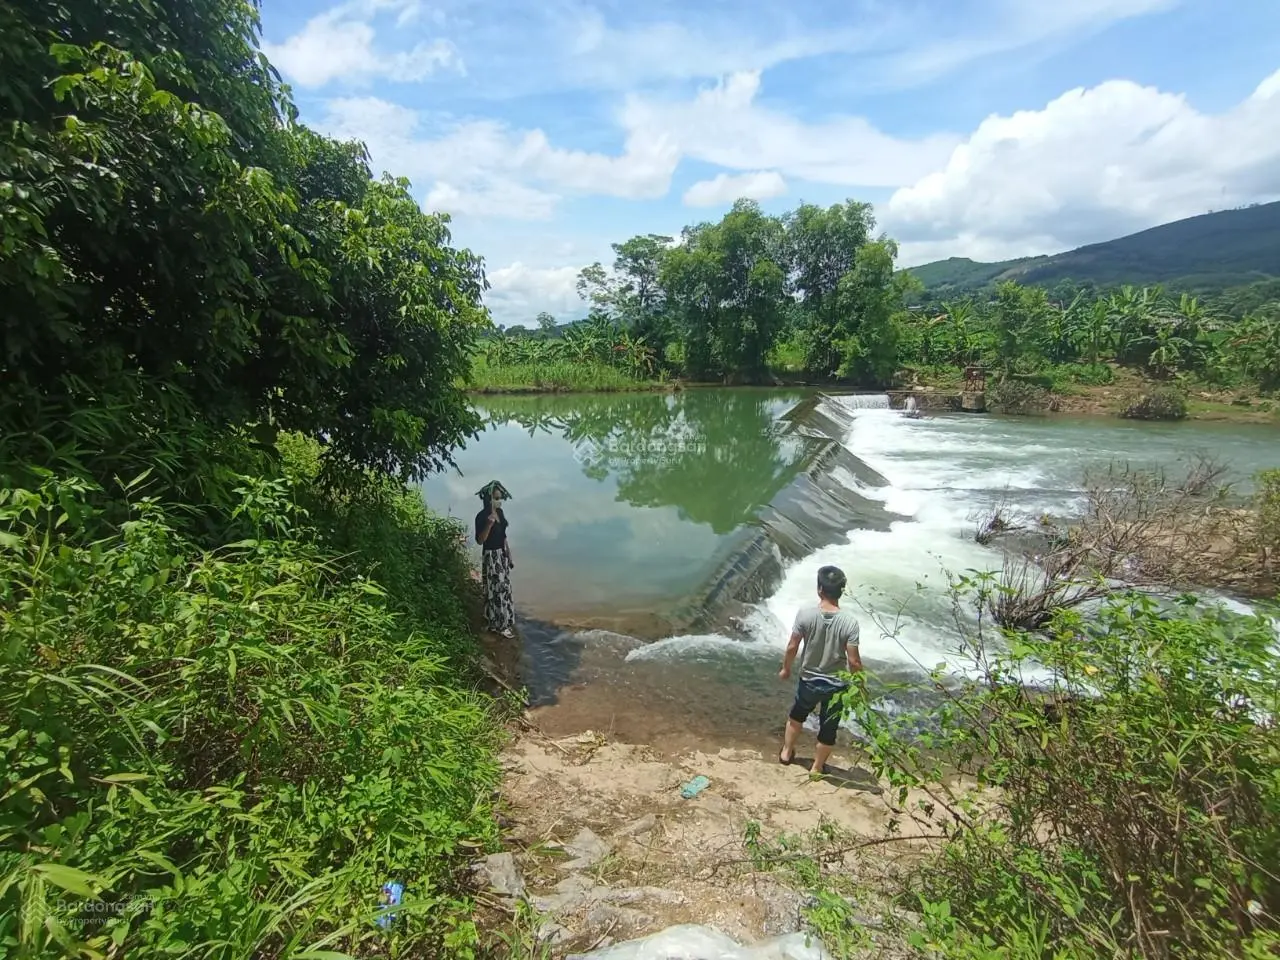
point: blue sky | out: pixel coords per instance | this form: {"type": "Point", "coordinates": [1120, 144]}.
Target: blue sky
{"type": "Point", "coordinates": [981, 128]}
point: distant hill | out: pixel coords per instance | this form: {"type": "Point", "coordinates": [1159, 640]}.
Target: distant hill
{"type": "Point", "coordinates": [1206, 254]}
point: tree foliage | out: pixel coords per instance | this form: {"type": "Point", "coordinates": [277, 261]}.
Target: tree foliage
{"type": "Point", "coordinates": [165, 216]}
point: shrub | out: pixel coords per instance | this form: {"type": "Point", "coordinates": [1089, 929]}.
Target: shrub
{"type": "Point", "coordinates": [249, 741]}
{"type": "Point", "coordinates": [1092, 374]}
{"type": "Point", "coordinates": [1266, 505]}
{"type": "Point", "coordinates": [1018, 397]}
{"type": "Point", "coordinates": [1132, 809]}
{"type": "Point", "coordinates": [1161, 403]}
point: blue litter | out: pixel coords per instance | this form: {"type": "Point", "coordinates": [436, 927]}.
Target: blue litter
{"type": "Point", "coordinates": [391, 894]}
{"type": "Point", "coordinates": [694, 787]}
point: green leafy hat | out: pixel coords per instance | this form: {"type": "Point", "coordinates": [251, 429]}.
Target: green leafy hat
{"type": "Point", "coordinates": [488, 490]}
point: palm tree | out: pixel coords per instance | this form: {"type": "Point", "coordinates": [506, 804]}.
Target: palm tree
{"type": "Point", "coordinates": [1096, 333]}
{"type": "Point", "coordinates": [965, 338]}
{"type": "Point", "coordinates": [1168, 349]}
{"type": "Point", "coordinates": [1059, 337]}
{"type": "Point", "coordinates": [1132, 313]}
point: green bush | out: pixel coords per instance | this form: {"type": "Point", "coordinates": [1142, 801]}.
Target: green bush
{"type": "Point", "coordinates": [1091, 374]}
{"type": "Point", "coordinates": [562, 376]}
{"type": "Point", "coordinates": [1266, 503]}
{"type": "Point", "coordinates": [1132, 810]}
{"type": "Point", "coordinates": [1018, 397]}
{"type": "Point", "coordinates": [1161, 403]}
{"type": "Point", "coordinates": [249, 741]}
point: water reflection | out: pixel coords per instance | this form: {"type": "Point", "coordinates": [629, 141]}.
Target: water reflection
{"type": "Point", "coordinates": [715, 457]}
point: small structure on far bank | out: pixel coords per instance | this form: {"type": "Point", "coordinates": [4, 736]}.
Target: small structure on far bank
{"type": "Point", "coordinates": [974, 398]}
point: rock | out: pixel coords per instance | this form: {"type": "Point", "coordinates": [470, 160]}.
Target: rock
{"type": "Point", "coordinates": [782, 907]}
{"type": "Point", "coordinates": [554, 933]}
{"type": "Point", "coordinates": [500, 873]}
{"type": "Point", "coordinates": [576, 893]}
{"type": "Point", "coordinates": [637, 827]}
{"type": "Point", "coordinates": [572, 894]}
{"type": "Point", "coordinates": [587, 850]}
{"type": "Point", "coordinates": [605, 917]}
{"type": "Point", "coordinates": [636, 894]}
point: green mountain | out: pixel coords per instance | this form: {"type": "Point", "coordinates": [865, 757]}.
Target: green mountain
{"type": "Point", "coordinates": [1202, 254]}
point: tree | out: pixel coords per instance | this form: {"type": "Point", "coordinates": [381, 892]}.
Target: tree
{"type": "Point", "coordinates": [727, 293]}
{"type": "Point", "coordinates": [821, 249]}
{"type": "Point", "coordinates": [1017, 314]}
{"type": "Point", "coordinates": [598, 289]}
{"type": "Point", "coordinates": [1096, 333]}
{"type": "Point", "coordinates": [172, 229]}
{"type": "Point", "coordinates": [546, 322]}
{"type": "Point", "coordinates": [961, 317]}
{"type": "Point", "coordinates": [869, 298]}
{"type": "Point", "coordinates": [640, 298]}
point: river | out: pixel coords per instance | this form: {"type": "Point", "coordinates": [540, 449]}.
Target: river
{"type": "Point", "coordinates": [665, 541]}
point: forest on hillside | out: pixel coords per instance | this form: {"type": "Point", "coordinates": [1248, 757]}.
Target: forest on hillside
{"type": "Point", "coordinates": [1203, 255]}
{"type": "Point", "coordinates": [815, 292]}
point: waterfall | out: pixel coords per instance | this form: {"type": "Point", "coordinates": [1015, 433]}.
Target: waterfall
{"type": "Point", "coordinates": [864, 401]}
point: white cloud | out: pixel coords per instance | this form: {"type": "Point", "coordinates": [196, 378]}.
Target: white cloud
{"type": "Point", "coordinates": [725, 125]}
{"type": "Point", "coordinates": [521, 47]}
{"type": "Point", "coordinates": [1093, 164]}
{"type": "Point", "coordinates": [1004, 26]}
{"type": "Point", "coordinates": [518, 293]}
{"type": "Point", "coordinates": [724, 188]}
{"type": "Point", "coordinates": [484, 168]}
{"type": "Point", "coordinates": [339, 46]}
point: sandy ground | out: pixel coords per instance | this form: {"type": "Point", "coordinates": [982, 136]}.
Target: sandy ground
{"type": "Point", "coordinates": [663, 859]}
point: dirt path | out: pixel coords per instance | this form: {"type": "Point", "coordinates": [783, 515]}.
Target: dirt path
{"type": "Point", "coordinates": [605, 848]}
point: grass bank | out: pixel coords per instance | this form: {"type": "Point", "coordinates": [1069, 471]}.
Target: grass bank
{"type": "Point", "coordinates": [561, 376]}
{"type": "Point", "coordinates": [225, 746]}
{"type": "Point", "coordinates": [1109, 389]}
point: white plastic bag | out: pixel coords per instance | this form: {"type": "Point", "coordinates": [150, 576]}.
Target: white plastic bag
{"type": "Point", "coordinates": [690, 942]}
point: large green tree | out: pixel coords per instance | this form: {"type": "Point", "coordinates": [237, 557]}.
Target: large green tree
{"type": "Point", "coordinates": [727, 291]}
{"type": "Point", "coordinates": [170, 231]}
{"type": "Point", "coordinates": [822, 249]}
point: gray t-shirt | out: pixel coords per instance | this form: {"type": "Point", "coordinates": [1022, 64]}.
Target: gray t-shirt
{"type": "Point", "coordinates": [827, 634]}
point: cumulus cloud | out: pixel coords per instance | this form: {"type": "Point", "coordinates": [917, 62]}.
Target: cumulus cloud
{"type": "Point", "coordinates": [340, 46]}
{"type": "Point", "coordinates": [723, 124]}
{"type": "Point", "coordinates": [724, 188]}
{"type": "Point", "coordinates": [485, 168]}
{"type": "Point", "coordinates": [518, 293]}
{"type": "Point", "coordinates": [1092, 164]}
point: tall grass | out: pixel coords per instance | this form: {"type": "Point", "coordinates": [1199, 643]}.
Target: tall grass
{"type": "Point", "coordinates": [552, 376]}
{"type": "Point", "coordinates": [1132, 811]}
{"type": "Point", "coordinates": [226, 753]}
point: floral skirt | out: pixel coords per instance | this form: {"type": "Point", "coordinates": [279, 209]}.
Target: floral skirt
{"type": "Point", "coordinates": [499, 609]}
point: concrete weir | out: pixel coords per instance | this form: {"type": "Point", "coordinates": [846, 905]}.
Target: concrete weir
{"type": "Point", "coordinates": [817, 508]}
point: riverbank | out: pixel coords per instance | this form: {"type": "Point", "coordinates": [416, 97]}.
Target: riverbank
{"type": "Point", "coordinates": [603, 847]}
{"type": "Point", "coordinates": [606, 848]}
{"type": "Point", "coordinates": [1204, 402]}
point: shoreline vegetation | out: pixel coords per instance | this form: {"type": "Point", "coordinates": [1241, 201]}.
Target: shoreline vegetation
{"type": "Point", "coordinates": [1205, 402]}
{"type": "Point", "coordinates": [245, 711]}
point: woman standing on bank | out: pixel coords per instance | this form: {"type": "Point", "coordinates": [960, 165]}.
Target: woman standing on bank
{"type": "Point", "coordinates": [495, 567]}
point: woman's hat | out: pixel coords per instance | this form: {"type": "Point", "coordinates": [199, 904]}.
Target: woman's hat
{"type": "Point", "coordinates": [492, 487]}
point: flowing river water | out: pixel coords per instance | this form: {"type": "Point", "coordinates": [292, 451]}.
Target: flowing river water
{"type": "Point", "coordinates": [665, 541]}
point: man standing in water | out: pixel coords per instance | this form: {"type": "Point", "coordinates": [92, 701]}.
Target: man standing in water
{"type": "Point", "coordinates": [830, 640]}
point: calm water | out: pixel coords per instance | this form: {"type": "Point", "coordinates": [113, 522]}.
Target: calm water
{"type": "Point", "coordinates": [622, 503]}
{"type": "Point", "coordinates": [626, 507]}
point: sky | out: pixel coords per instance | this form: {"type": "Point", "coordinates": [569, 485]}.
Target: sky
{"type": "Point", "coordinates": [988, 129]}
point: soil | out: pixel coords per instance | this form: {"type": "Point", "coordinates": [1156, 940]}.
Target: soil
{"type": "Point", "coordinates": [612, 762]}
{"type": "Point", "coordinates": [674, 860]}
{"type": "Point", "coordinates": [1203, 403]}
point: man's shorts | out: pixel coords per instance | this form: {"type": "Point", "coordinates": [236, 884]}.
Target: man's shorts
{"type": "Point", "coordinates": [819, 694]}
